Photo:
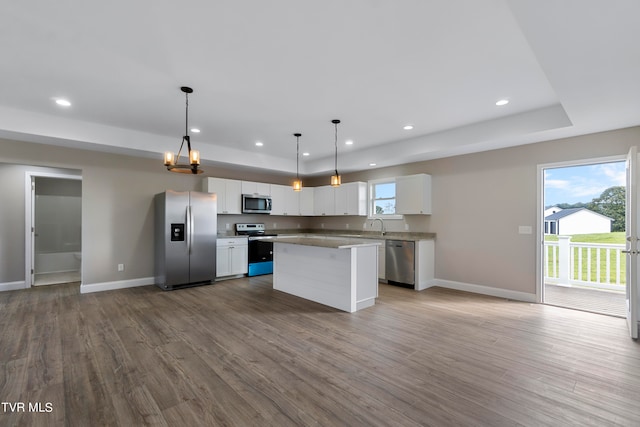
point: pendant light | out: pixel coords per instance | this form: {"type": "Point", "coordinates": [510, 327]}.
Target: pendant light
{"type": "Point", "coordinates": [297, 183]}
{"type": "Point", "coordinates": [171, 161]}
{"type": "Point", "coordinates": [335, 179]}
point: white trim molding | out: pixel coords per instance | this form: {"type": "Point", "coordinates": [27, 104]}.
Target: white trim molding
{"type": "Point", "coordinates": [12, 286]}
{"type": "Point", "coordinates": [485, 290]}
{"type": "Point", "coordinates": [120, 284]}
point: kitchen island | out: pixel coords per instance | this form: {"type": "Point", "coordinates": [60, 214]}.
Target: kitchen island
{"type": "Point", "coordinates": [339, 272]}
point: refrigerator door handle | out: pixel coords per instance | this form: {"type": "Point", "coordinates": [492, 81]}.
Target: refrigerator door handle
{"type": "Point", "coordinates": [190, 221]}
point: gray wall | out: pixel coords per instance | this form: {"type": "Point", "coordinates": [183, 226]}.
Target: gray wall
{"type": "Point", "coordinates": [479, 200]}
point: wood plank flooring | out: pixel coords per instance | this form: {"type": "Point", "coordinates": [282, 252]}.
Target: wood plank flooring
{"type": "Point", "coordinates": [238, 353]}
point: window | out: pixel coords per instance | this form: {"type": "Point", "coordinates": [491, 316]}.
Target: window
{"type": "Point", "coordinates": [382, 198]}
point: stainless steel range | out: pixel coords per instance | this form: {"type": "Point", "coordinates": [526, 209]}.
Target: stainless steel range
{"type": "Point", "coordinates": [260, 248]}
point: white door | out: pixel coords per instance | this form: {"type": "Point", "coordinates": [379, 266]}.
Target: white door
{"type": "Point", "coordinates": [631, 218]}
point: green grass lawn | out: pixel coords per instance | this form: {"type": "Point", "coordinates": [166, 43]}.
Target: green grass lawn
{"type": "Point", "coordinates": [616, 237]}
{"type": "Point", "coordinates": [608, 238]}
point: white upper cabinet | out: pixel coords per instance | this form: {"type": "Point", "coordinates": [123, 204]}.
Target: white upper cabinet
{"type": "Point", "coordinates": [277, 199]}
{"type": "Point", "coordinates": [413, 194]}
{"type": "Point", "coordinates": [306, 201]}
{"type": "Point", "coordinates": [284, 200]}
{"type": "Point", "coordinates": [260, 188]}
{"type": "Point", "coordinates": [351, 199]}
{"type": "Point", "coordinates": [348, 199]}
{"type": "Point", "coordinates": [228, 192]}
{"type": "Point", "coordinates": [323, 200]}
{"type": "Point", "coordinates": [291, 201]}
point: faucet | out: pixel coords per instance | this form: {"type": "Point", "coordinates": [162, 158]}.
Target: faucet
{"type": "Point", "coordinates": [382, 230]}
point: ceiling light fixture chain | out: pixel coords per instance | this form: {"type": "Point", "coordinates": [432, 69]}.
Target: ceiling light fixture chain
{"type": "Point", "coordinates": [170, 160]}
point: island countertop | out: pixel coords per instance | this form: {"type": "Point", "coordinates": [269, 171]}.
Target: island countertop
{"type": "Point", "coordinates": [332, 242]}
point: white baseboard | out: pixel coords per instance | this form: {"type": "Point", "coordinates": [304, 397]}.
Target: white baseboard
{"type": "Point", "coordinates": [120, 284]}
{"type": "Point", "coordinates": [12, 286]}
{"type": "Point", "coordinates": [484, 290]}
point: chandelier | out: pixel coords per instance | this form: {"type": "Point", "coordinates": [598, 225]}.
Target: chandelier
{"type": "Point", "coordinates": [171, 161]}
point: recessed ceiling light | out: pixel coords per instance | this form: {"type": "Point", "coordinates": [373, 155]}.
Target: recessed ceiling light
{"type": "Point", "coordinates": [408, 127]}
{"type": "Point", "coordinates": [348, 142]}
{"type": "Point", "coordinates": [502, 102]}
{"type": "Point", "coordinates": [372, 164]}
{"type": "Point", "coordinates": [259, 144]}
{"type": "Point", "coordinates": [63, 102]}
{"type": "Point", "coordinates": [305, 154]}
{"type": "Point", "coordinates": [195, 130]}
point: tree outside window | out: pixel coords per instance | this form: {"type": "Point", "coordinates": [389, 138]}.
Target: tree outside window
{"type": "Point", "coordinates": [383, 198]}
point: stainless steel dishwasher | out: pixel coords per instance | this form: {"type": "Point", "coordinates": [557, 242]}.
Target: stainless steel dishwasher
{"type": "Point", "coordinates": [400, 262]}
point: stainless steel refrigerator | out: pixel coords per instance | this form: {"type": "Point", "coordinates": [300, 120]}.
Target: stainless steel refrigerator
{"type": "Point", "coordinates": [185, 238]}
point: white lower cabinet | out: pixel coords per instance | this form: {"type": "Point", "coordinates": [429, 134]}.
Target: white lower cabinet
{"type": "Point", "coordinates": [232, 256]}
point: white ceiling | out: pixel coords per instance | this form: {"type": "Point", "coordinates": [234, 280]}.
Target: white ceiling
{"type": "Point", "coordinates": [263, 70]}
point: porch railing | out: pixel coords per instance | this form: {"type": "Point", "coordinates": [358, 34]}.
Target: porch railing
{"type": "Point", "coordinates": [600, 265]}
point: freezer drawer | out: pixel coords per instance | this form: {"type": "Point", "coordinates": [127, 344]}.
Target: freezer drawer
{"type": "Point", "coordinates": [400, 261]}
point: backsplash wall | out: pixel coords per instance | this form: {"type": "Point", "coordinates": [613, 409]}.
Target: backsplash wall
{"type": "Point", "coordinates": [413, 223]}
{"type": "Point", "coordinates": [226, 223]}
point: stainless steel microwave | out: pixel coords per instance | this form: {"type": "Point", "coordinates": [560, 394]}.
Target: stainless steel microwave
{"type": "Point", "coordinates": [253, 203]}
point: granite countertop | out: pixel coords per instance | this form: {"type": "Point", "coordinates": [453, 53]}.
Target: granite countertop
{"type": "Point", "coordinates": [319, 241]}
{"type": "Point", "coordinates": [390, 235]}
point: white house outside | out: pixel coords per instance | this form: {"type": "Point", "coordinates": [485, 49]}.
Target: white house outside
{"type": "Point", "coordinates": [575, 221]}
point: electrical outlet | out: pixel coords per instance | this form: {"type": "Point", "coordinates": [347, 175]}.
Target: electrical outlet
{"type": "Point", "coordinates": [120, 267]}
{"type": "Point", "coordinates": [227, 226]}
{"type": "Point", "coordinates": [406, 227]}
{"type": "Point", "coordinates": [346, 226]}
{"type": "Point", "coordinates": [525, 229]}
{"type": "Point", "coordinates": [275, 225]}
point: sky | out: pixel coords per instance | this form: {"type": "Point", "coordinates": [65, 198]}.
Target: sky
{"type": "Point", "coordinates": [581, 183]}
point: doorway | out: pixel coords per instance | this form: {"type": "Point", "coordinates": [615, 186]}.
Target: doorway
{"type": "Point", "coordinates": [55, 232]}
{"type": "Point", "coordinates": [583, 233]}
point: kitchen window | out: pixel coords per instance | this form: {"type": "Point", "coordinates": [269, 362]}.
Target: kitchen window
{"type": "Point", "coordinates": [382, 199]}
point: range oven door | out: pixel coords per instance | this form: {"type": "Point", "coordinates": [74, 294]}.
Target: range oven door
{"type": "Point", "coordinates": [260, 250]}
{"type": "Point", "coordinates": [260, 256]}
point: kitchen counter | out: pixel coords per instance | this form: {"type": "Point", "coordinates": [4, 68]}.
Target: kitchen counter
{"type": "Point", "coordinates": [341, 273]}
{"type": "Point", "coordinates": [321, 241]}
{"type": "Point", "coordinates": [390, 235]}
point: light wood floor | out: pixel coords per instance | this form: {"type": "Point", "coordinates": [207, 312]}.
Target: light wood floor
{"type": "Point", "coordinates": [238, 353]}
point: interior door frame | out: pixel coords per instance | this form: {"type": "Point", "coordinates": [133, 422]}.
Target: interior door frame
{"type": "Point", "coordinates": [29, 217]}
{"type": "Point", "coordinates": [540, 210]}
